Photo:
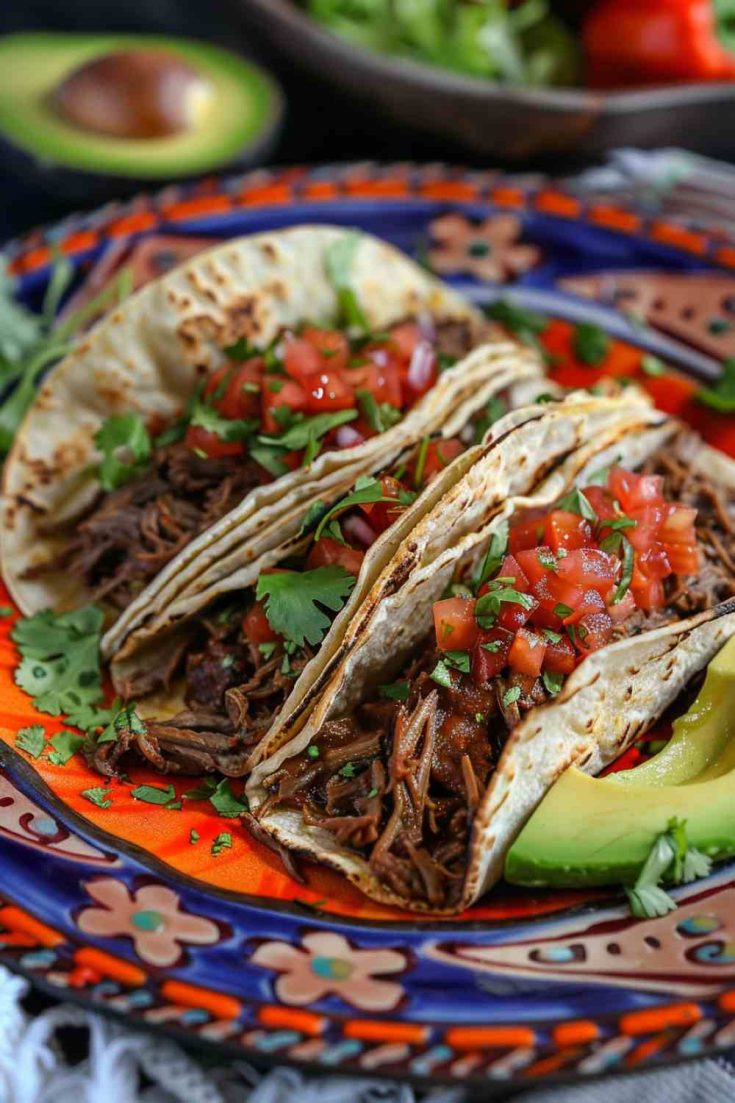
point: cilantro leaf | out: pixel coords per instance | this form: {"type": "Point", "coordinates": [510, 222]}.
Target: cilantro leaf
{"type": "Point", "coordinates": [153, 794]}
{"type": "Point", "coordinates": [552, 682]}
{"type": "Point", "coordinates": [125, 445]}
{"type": "Point", "coordinates": [512, 695]}
{"type": "Point", "coordinates": [493, 556]}
{"type": "Point", "coordinates": [460, 660]}
{"type": "Point", "coordinates": [98, 795]}
{"type": "Point", "coordinates": [590, 343]}
{"type": "Point", "coordinates": [487, 607]}
{"type": "Point", "coordinates": [367, 489]}
{"type": "Point", "coordinates": [308, 429]}
{"type": "Point", "coordinates": [338, 262]}
{"type": "Point", "coordinates": [576, 502]}
{"type": "Point", "coordinates": [32, 740]}
{"type": "Point", "coordinates": [124, 718]}
{"type": "Point", "coordinates": [223, 841]}
{"type": "Point", "coordinates": [295, 601]}
{"type": "Point", "coordinates": [269, 458]}
{"type": "Point", "coordinates": [65, 745]}
{"type": "Point", "coordinates": [227, 429]}
{"type": "Point", "coordinates": [670, 857]}
{"type": "Point", "coordinates": [652, 366]}
{"type": "Point", "coordinates": [441, 674]}
{"type": "Point", "coordinates": [525, 324]}
{"type": "Point", "coordinates": [627, 576]}
{"type": "Point", "coordinates": [721, 395]}
{"type": "Point", "coordinates": [225, 802]}
{"type": "Point", "coordinates": [379, 415]}
{"type": "Point", "coordinates": [399, 691]}
{"type": "Point", "coordinates": [60, 665]}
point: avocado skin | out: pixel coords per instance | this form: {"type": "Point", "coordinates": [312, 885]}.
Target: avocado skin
{"type": "Point", "coordinates": [598, 831]}
{"type": "Point", "coordinates": [46, 175]}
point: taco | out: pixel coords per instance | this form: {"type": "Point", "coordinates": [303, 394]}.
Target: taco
{"type": "Point", "coordinates": [233, 667]}
{"type": "Point", "coordinates": [215, 400]}
{"type": "Point", "coordinates": [508, 644]}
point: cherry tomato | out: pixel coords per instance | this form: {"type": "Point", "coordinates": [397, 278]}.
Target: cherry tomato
{"type": "Point", "coordinates": [256, 626]}
{"type": "Point", "coordinates": [454, 623]}
{"type": "Point", "coordinates": [526, 655]}
{"type": "Point", "coordinates": [212, 446]}
{"type": "Point", "coordinates": [333, 346]}
{"type": "Point", "coordinates": [326, 552]}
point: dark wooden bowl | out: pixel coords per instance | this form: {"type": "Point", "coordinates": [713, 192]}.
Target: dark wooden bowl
{"type": "Point", "coordinates": [487, 120]}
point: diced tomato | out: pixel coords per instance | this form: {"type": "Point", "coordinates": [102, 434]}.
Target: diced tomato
{"type": "Point", "coordinates": [383, 514]}
{"type": "Point", "coordinates": [487, 663]}
{"type": "Point", "coordinates": [594, 630]}
{"type": "Point", "coordinates": [439, 454]}
{"type": "Point", "coordinates": [553, 592]}
{"type": "Point", "coordinates": [654, 562]}
{"type": "Point", "coordinates": [648, 592]}
{"type": "Point", "coordinates": [511, 568]}
{"type": "Point", "coordinates": [380, 377]}
{"type": "Point", "coordinates": [535, 562]}
{"type": "Point", "coordinates": [333, 346]}
{"type": "Point", "coordinates": [647, 524]}
{"type": "Point", "coordinates": [683, 558]}
{"type": "Point", "coordinates": [567, 531]}
{"type": "Point", "coordinates": [678, 526]}
{"type": "Point", "coordinates": [590, 567]}
{"type": "Point", "coordinates": [256, 626]}
{"type": "Point", "coordinates": [513, 616]}
{"type": "Point", "coordinates": [560, 656]}
{"type": "Point", "coordinates": [601, 501]}
{"type": "Point", "coordinates": [527, 533]}
{"type": "Point", "coordinates": [634, 491]}
{"type": "Point", "coordinates": [301, 358]}
{"type": "Point", "coordinates": [590, 602]}
{"type": "Point", "coordinates": [276, 391]}
{"type": "Point", "coordinates": [241, 396]}
{"type": "Point", "coordinates": [326, 552]}
{"type": "Point", "coordinates": [454, 623]}
{"type": "Point", "coordinates": [620, 610]}
{"type": "Point", "coordinates": [327, 390]}
{"type": "Point", "coordinates": [527, 652]}
{"type": "Point", "coordinates": [405, 337]}
{"type": "Point", "coordinates": [212, 446]}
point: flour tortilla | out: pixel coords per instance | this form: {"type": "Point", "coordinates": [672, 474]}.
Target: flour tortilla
{"type": "Point", "coordinates": [148, 356]}
{"type": "Point", "coordinates": [611, 697]}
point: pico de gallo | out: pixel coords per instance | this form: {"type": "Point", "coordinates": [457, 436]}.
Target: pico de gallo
{"type": "Point", "coordinates": [241, 657]}
{"type": "Point", "coordinates": [399, 779]}
{"type": "Point", "coordinates": [262, 414]}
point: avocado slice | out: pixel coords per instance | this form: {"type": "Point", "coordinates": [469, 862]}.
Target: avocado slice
{"type": "Point", "coordinates": [241, 109]}
{"type": "Point", "coordinates": [598, 831]}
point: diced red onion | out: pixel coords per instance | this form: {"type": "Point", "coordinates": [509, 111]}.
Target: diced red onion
{"type": "Point", "coordinates": [427, 326]}
{"type": "Point", "coordinates": [356, 528]}
{"type": "Point", "coordinates": [347, 437]}
{"type": "Point", "coordinates": [421, 368]}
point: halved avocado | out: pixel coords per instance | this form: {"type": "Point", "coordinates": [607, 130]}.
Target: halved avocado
{"type": "Point", "coordinates": [209, 108]}
{"type": "Point", "coordinates": [599, 831]}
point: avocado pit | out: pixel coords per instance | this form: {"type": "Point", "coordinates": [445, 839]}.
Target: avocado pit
{"type": "Point", "coordinates": [133, 94]}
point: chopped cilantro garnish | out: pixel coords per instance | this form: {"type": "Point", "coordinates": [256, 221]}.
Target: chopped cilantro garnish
{"type": "Point", "coordinates": [367, 489]}
{"type": "Point", "coordinates": [488, 606]}
{"type": "Point", "coordinates": [590, 343]}
{"type": "Point", "coordinates": [275, 386]}
{"type": "Point", "coordinates": [561, 610]}
{"type": "Point", "coordinates": [379, 415]}
{"type": "Point", "coordinates": [399, 691]}
{"type": "Point", "coordinates": [721, 395]}
{"type": "Point", "coordinates": [193, 836]}
{"type": "Point", "coordinates": [495, 408]}
{"type": "Point", "coordinates": [547, 559]}
{"type": "Point", "coordinates": [625, 579]}
{"type": "Point", "coordinates": [31, 740]}
{"type": "Point", "coordinates": [125, 719]}
{"type": "Point", "coordinates": [441, 674]}
{"type": "Point", "coordinates": [373, 792]}
{"type": "Point", "coordinates": [223, 841]}
{"type": "Point", "coordinates": [576, 502]}
{"type": "Point", "coordinates": [312, 750]}
{"type": "Point", "coordinates": [338, 262]}
{"type": "Point", "coordinates": [480, 717]}
{"type": "Point", "coordinates": [65, 745]}
{"type": "Point", "coordinates": [460, 660]}
{"type": "Point", "coordinates": [270, 459]}
{"type": "Point", "coordinates": [203, 791]}
{"type": "Point", "coordinates": [308, 429]}
{"type": "Point", "coordinates": [227, 429]}
{"type": "Point", "coordinates": [525, 324]}
{"type": "Point", "coordinates": [552, 682]}
{"type": "Point", "coordinates": [511, 695]}
{"type": "Point", "coordinates": [6, 611]}
{"type": "Point", "coordinates": [493, 646]}
{"type": "Point", "coordinates": [267, 649]}
{"type": "Point", "coordinates": [125, 445]}
{"type": "Point", "coordinates": [551, 635]}
{"type": "Point", "coordinates": [153, 794]}
{"type": "Point", "coordinates": [295, 601]}
{"type": "Point", "coordinates": [224, 801]}
{"type": "Point", "coordinates": [651, 365]}
{"type": "Point", "coordinates": [60, 664]}
{"type": "Point", "coordinates": [98, 795]}
{"type": "Point", "coordinates": [348, 770]}
{"type": "Point", "coordinates": [494, 555]}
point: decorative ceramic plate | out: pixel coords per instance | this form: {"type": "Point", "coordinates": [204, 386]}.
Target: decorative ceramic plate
{"type": "Point", "coordinates": [177, 919]}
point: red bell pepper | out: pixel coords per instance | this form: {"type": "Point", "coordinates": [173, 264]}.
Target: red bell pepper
{"type": "Point", "coordinates": [640, 42]}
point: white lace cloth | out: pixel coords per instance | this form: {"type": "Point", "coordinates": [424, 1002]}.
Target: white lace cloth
{"type": "Point", "coordinates": [125, 1066]}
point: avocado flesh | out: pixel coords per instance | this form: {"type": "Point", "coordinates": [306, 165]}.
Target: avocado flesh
{"type": "Point", "coordinates": [243, 106]}
{"type": "Point", "coordinates": [598, 831]}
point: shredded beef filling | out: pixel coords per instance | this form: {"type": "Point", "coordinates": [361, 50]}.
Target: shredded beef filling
{"type": "Point", "coordinates": [400, 782]}
{"type": "Point", "coordinates": [130, 534]}
{"type": "Point", "coordinates": [233, 693]}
